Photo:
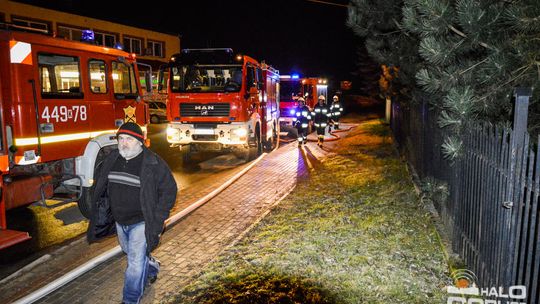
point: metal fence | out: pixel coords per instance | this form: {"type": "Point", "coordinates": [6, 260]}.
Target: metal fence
{"type": "Point", "coordinates": [491, 214]}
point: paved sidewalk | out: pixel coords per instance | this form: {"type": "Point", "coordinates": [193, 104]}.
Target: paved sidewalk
{"type": "Point", "coordinates": [200, 237]}
{"type": "Point", "coordinates": [77, 252]}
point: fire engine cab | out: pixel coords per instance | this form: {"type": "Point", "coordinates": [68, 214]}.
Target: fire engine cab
{"type": "Point", "coordinates": [223, 102]}
{"type": "Point", "coordinates": [61, 103]}
{"type": "Point", "coordinates": [293, 87]}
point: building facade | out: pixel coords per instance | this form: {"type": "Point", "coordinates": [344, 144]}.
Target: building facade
{"type": "Point", "coordinates": [152, 48]}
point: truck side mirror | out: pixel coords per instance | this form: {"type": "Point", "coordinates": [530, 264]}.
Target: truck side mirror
{"type": "Point", "coordinates": [148, 81]}
{"type": "Point", "coordinates": [160, 80]}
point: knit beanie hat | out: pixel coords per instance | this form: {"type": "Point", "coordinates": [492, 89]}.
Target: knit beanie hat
{"type": "Point", "coordinates": [132, 129]}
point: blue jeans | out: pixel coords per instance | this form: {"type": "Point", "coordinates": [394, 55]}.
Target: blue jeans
{"type": "Point", "coordinates": [139, 265]}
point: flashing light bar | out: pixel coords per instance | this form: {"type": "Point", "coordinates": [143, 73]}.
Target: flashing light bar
{"type": "Point", "coordinates": [293, 76]}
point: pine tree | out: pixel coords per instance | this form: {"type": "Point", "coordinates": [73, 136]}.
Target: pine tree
{"type": "Point", "coordinates": [367, 74]}
{"type": "Point", "coordinates": [468, 55]}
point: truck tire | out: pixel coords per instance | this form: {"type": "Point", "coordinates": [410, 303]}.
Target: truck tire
{"type": "Point", "coordinates": [252, 151]}
{"type": "Point", "coordinates": [186, 154]}
{"type": "Point", "coordinates": [271, 144]}
{"type": "Point", "coordinates": [85, 203]}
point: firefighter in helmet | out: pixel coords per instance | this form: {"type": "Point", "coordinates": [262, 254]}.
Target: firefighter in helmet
{"type": "Point", "coordinates": [301, 121]}
{"type": "Point", "coordinates": [320, 116]}
{"type": "Point", "coordinates": [336, 109]}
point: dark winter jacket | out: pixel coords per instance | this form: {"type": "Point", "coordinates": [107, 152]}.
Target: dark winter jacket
{"type": "Point", "coordinates": [157, 196]}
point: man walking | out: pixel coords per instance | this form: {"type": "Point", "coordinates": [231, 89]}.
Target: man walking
{"type": "Point", "coordinates": [133, 196]}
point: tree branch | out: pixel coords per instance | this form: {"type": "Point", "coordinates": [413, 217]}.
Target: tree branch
{"type": "Point", "coordinates": [460, 33]}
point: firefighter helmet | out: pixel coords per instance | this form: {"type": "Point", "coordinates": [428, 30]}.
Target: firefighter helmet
{"type": "Point", "coordinates": [301, 99]}
{"type": "Point", "coordinates": [336, 98]}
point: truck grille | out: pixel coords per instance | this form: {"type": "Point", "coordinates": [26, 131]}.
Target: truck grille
{"type": "Point", "coordinates": [205, 110]}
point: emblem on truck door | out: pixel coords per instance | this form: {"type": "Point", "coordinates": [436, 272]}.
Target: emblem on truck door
{"type": "Point", "coordinates": [129, 114]}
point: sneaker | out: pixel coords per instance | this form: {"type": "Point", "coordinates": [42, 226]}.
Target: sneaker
{"type": "Point", "coordinates": [155, 264]}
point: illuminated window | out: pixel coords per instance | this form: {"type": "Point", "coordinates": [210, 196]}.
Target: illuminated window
{"type": "Point", "coordinates": [59, 76]}
{"type": "Point", "coordinates": [98, 79]}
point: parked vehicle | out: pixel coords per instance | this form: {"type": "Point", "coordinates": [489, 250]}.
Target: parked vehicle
{"type": "Point", "coordinates": [61, 103]}
{"type": "Point", "coordinates": [220, 101]}
{"type": "Point", "coordinates": [293, 87]}
{"type": "Point", "coordinates": [158, 111]}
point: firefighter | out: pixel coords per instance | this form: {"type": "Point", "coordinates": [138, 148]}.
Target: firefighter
{"type": "Point", "coordinates": [320, 119]}
{"type": "Point", "coordinates": [335, 111]}
{"type": "Point", "coordinates": [301, 121]}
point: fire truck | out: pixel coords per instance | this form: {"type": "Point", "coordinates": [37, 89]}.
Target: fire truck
{"type": "Point", "coordinates": [293, 87]}
{"type": "Point", "coordinates": [221, 101]}
{"type": "Point", "coordinates": [61, 103]}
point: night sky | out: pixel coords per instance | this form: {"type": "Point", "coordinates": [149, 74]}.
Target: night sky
{"type": "Point", "coordinates": [300, 36]}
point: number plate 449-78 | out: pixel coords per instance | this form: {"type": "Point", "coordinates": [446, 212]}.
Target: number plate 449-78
{"type": "Point", "coordinates": [72, 113]}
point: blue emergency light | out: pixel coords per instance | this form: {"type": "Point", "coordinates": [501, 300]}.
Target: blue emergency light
{"type": "Point", "coordinates": [87, 36]}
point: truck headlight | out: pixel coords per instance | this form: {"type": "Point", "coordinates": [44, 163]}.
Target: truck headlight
{"type": "Point", "coordinates": [240, 132]}
{"type": "Point", "coordinates": [173, 134]}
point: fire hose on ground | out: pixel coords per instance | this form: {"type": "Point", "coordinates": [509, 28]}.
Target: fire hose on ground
{"type": "Point", "coordinates": [332, 133]}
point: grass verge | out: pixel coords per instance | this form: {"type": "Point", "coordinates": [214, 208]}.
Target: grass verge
{"type": "Point", "coordinates": [353, 232]}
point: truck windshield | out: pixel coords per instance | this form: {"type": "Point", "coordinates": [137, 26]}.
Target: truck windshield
{"type": "Point", "coordinates": [206, 78]}
{"type": "Point", "coordinates": [289, 89]}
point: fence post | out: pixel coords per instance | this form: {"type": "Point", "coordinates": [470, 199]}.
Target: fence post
{"type": "Point", "coordinates": [521, 106]}
{"type": "Point", "coordinates": [521, 111]}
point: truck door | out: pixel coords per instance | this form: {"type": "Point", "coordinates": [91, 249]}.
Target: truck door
{"type": "Point", "coordinates": [63, 112]}
{"type": "Point", "coordinates": [126, 93]}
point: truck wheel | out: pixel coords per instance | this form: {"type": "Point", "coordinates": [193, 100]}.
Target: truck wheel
{"type": "Point", "coordinates": [154, 119]}
{"type": "Point", "coordinates": [254, 152]}
{"type": "Point", "coordinates": [85, 203]}
{"type": "Point", "coordinates": [186, 154]}
{"type": "Point", "coordinates": [251, 152]}
{"type": "Point", "coordinates": [271, 144]}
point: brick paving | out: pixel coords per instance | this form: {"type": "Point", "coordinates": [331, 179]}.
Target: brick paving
{"type": "Point", "coordinates": [197, 239]}
{"type": "Point", "coordinates": [79, 251]}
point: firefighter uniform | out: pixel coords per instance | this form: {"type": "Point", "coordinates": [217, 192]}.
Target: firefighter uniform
{"type": "Point", "coordinates": [301, 121]}
{"type": "Point", "coordinates": [336, 110]}
{"type": "Point", "coordinates": [320, 116]}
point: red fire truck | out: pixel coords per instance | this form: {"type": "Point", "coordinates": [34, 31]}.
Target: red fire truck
{"type": "Point", "coordinates": [293, 87]}
{"type": "Point", "coordinates": [61, 103]}
{"type": "Point", "coordinates": [222, 102]}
